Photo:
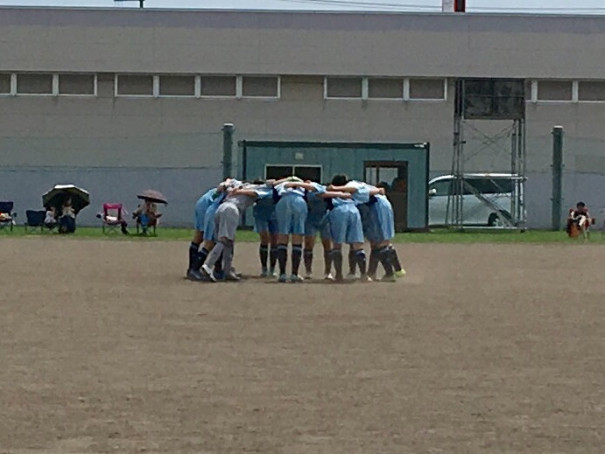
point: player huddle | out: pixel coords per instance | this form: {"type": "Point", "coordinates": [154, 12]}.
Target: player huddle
{"type": "Point", "coordinates": [292, 211]}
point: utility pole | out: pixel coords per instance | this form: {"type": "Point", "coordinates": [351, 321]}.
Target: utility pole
{"type": "Point", "coordinates": [557, 176]}
{"type": "Point", "coordinates": [228, 129]}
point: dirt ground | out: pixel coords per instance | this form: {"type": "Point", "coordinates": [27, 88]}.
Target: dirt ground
{"type": "Point", "coordinates": [105, 348]}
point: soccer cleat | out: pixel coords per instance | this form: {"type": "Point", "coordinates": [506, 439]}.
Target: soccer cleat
{"type": "Point", "coordinates": [264, 273]}
{"type": "Point", "coordinates": [389, 278]}
{"type": "Point", "coordinates": [233, 277]}
{"type": "Point", "coordinates": [208, 272]}
{"type": "Point", "coordinates": [194, 275]}
{"type": "Point", "coordinates": [372, 276]}
{"type": "Point", "coordinates": [272, 272]}
{"type": "Point", "coordinates": [283, 278]}
{"type": "Point", "coordinates": [400, 273]}
{"type": "Point", "coordinates": [308, 275]}
{"type": "Point", "coordinates": [364, 278]}
{"type": "Point", "coordinates": [296, 278]}
{"type": "Point", "coordinates": [329, 277]}
{"type": "Point", "coordinates": [351, 277]}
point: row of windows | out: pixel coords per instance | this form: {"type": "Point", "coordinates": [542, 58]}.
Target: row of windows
{"type": "Point", "coordinates": [141, 85]}
{"type": "Point", "coordinates": [48, 84]}
{"type": "Point", "coordinates": [432, 89]}
{"type": "Point", "coordinates": [566, 90]}
{"type": "Point", "coordinates": [385, 88]}
{"type": "Point", "coordinates": [219, 86]}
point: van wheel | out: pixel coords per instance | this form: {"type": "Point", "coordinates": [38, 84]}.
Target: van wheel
{"type": "Point", "coordinates": [495, 219]}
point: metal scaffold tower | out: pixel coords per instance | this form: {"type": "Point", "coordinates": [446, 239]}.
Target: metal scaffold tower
{"type": "Point", "coordinates": [478, 103]}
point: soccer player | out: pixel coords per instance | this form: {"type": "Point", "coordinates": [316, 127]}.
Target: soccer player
{"type": "Point", "coordinates": [360, 195]}
{"type": "Point", "coordinates": [378, 224]}
{"type": "Point", "coordinates": [209, 224]}
{"type": "Point", "coordinates": [291, 213]}
{"type": "Point", "coordinates": [318, 201]}
{"type": "Point", "coordinates": [226, 220]}
{"type": "Point", "coordinates": [265, 224]}
{"type": "Point", "coordinates": [380, 233]}
{"type": "Point", "coordinates": [346, 227]}
{"type": "Point", "coordinates": [197, 257]}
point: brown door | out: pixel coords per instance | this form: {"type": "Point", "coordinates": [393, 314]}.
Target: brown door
{"type": "Point", "coordinates": [394, 176]}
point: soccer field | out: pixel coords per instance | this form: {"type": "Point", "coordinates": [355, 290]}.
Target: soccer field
{"type": "Point", "coordinates": [481, 348]}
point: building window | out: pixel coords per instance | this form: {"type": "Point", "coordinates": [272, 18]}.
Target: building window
{"type": "Point", "coordinates": [177, 85]}
{"type": "Point", "coordinates": [554, 90]}
{"type": "Point", "coordinates": [262, 87]}
{"type": "Point", "coordinates": [217, 86]}
{"type": "Point", "coordinates": [130, 85]}
{"type": "Point", "coordinates": [427, 89]}
{"type": "Point", "coordinates": [343, 87]}
{"type": "Point", "coordinates": [591, 91]}
{"type": "Point", "coordinates": [77, 84]}
{"type": "Point", "coordinates": [383, 88]}
{"type": "Point", "coordinates": [35, 84]}
{"type": "Point", "coordinates": [5, 84]}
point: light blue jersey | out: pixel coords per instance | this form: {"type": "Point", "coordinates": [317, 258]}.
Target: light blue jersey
{"type": "Point", "coordinates": [200, 209]}
{"type": "Point", "coordinates": [291, 210]}
{"type": "Point", "coordinates": [282, 190]}
{"type": "Point", "coordinates": [362, 191]}
{"type": "Point", "coordinates": [361, 197]}
{"type": "Point", "coordinates": [382, 220]}
{"type": "Point", "coordinates": [209, 217]}
{"type": "Point", "coordinates": [264, 211]}
{"type": "Point", "coordinates": [317, 215]}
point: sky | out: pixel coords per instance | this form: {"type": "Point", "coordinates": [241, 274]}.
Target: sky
{"type": "Point", "coordinates": [478, 6]}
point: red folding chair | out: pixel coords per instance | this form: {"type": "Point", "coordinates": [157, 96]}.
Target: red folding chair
{"type": "Point", "coordinates": [112, 217]}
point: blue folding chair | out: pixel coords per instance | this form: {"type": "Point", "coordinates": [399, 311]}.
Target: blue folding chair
{"type": "Point", "coordinates": [7, 216]}
{"type": "Point", "coordinates": [34, 221]}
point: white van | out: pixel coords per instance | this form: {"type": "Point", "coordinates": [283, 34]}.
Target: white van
{"type": "Point", "coordinates": [487, 202]}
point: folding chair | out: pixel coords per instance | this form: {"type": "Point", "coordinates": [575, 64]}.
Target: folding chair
{"type": "Point", "coordinates": [7, 216]}
{"type": "Point", "coordinates": [112, 217]}
{"type": "Point", "coordinates": [34, 221]}
{"type": "Point", "coordinates": [151, 225]}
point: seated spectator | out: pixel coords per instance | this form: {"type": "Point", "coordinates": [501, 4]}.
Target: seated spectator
{"type": "Point", "coordinates": [578, 220]}
{"type": "Point", "coordinates": [50, 220]}
{"type": "Point", "coordinates": [67, 220]}
{"type": "Point", "coordinates": [146, 215]}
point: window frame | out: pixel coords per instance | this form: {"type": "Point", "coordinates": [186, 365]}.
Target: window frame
{"type": "Point", "coordinates": [154, 87]}
{"type": "Point", "coordinates": [572, 99]}
{"type": "Point", "coordinates": [54, 84]}
{"type": "Point", "coordinates": [408, 97]}
{"type": "Point", "coordinates": [12, 84]}
{"type": "Point", "coordinates": [86, 95]}
{"type": "Point", "coordinates": [239, 87]}
{"type": "Point", "coordinates": [294, 166]}
{"type": "Point", "coordinates": [196, 86]}
{"type": "Point", "coordinates": [363, 81]}
{"type": "Point", "coordinates": [588, 101]}
{"type": "Point", "coordinates": [373, 98]}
